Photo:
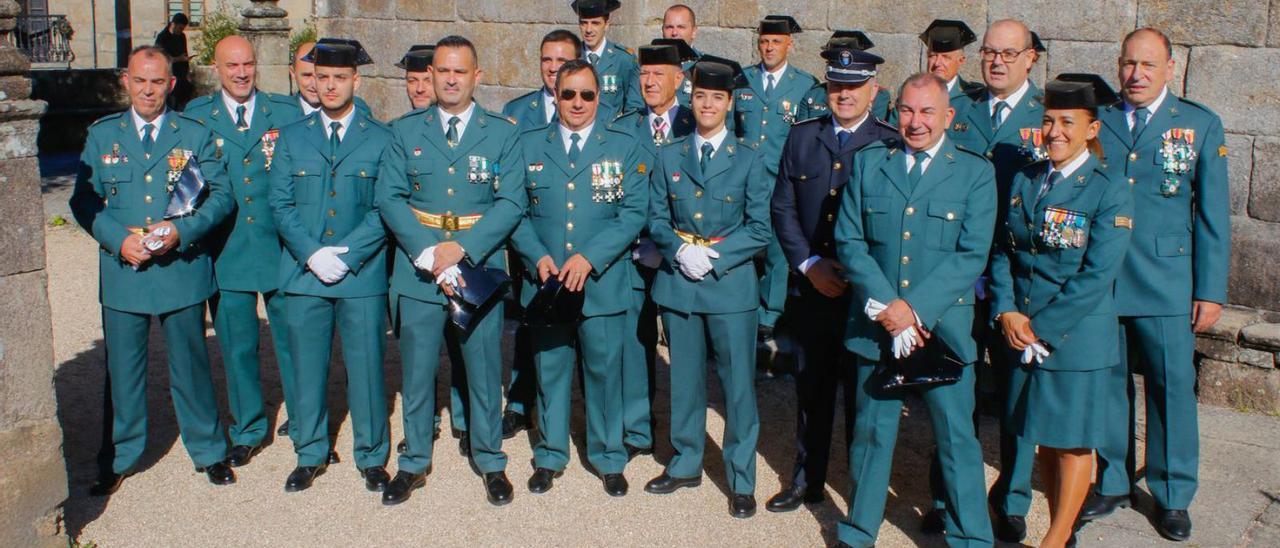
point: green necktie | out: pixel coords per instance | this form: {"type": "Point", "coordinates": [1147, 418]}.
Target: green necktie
{"type": "Point", "coordinates": [593, 58]}
{"type": "Point", "coordinates": [768, 86]}
{"type": "Point", "coordinates": [574, 148]}
{"type": "Point", "coordinates": [148, 137]}
{"type": "Point", "coordinates": [240, 123]}
{"type": "Point", "coordinates": [334, 140]}
{"type": "Point", "coordinates": [1054, 178]}
{"type": "Point", "coordinates": [917, 169]}
{"type": "Point", "coordinates": [1139, 121]}
{"type": "Point", "coordinates": [707, 150]}
{"type": "Point", "coordinates": [452, 135]}
{"type": "Point", "coordinates": [997, 114]}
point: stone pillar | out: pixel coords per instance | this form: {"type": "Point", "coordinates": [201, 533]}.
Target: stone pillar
{"type": "Point", "coordinates": [266, 25]}
{"type": "Point", "coordinates": [33, 477]}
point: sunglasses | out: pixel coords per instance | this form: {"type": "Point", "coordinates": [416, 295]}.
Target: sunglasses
{"type": "Point", "coordinates": [569, 95]}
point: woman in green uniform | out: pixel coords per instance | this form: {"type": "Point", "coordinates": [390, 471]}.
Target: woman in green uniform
{"type": "Point", "coordinates": [1056, 258]}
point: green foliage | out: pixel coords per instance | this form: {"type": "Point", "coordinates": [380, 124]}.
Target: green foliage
{"type": "Point", "coordinates": [57, 220]}
{"type": "Point", "coordinates": [305, 34]}
{"type": "Point", "coordinates": [217, 24]}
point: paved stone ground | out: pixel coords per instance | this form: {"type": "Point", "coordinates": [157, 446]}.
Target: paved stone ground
{"type": "Point", "coordinates": [169, 504]}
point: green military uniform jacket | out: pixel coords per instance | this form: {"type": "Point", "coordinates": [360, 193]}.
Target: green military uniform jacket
{"type": "Point", "coordinates": [119, 187]}
{"type": "Point", "coordinates": [731, 201]}
{"type": "Point", "coordinates": [925, 245]}
{"type": "Point", "coordinates": [321, 201]}
{"type": "Point", "coordinates": [528, 110]}
{"type": "Point", "coordinates": [1017, 143]}
{"type": "Point", "coordinates": [815, 103]}
{"type": "Point", "coordinates": [766, 122]}
{"type": "Point", "coordinates": [619, 75]}
{"type": "Point", "coordinates": [1055, 260]}
{"type": "Point", "coordinates": [595, 206]}
{"type": "Point", "coordinates": [482, 175]}
{"type": "Point", "coordinates": [1177, 172]}
{"type": "Point", "coordinates": [246, 247]}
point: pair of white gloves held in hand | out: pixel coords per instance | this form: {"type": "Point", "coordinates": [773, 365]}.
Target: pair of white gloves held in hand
{"type": "Point", "coordinates": [426, 261]}
{"type": "Point", "coordinates": [695, 260]}
{"type": "Point", "coordinates": [326, 265]}
{"type": "Point", "coordinates": [1034, 351]}
{"type": "Point", "coordinates": [903, 343]}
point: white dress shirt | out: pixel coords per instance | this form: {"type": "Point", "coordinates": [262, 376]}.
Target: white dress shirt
{"type": "Point", "coordinates": [345, 121]}
{"type": "Point", "coordinates": [932, 152]}
{"type": "Point", "coordinates": [777, 76]}
{"type": "Point", "coordinates": [566, 136]}
{"type": "Point", "coordinates": [1129, 109]}
{"type": "Point", "coordinates": [138, 122]}
{"type": "Point", "coordinates": [715, 140]}
{"type": "Point", "coordinates": [548, 106]}
{"type": "Point", "coordinates": [231, 105]}
{"type": "Point", "coordinates": [1012, 100]}
{"type": "Point", "coordinates": [307, 109]}
{"type": "Point", "coordinates": [464, 119]}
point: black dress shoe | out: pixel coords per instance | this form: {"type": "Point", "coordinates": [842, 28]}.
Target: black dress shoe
{"type": "Point", "coordinates": [219, 473]}
{"type": "Point", "coordinates": [106, 484]}
{"type": "Point", "coordinates": [791, 498]}
{"type": "Point", "coordinates": [240, 455]}
{"type": "Point", "coordinates": [283, 429]}
{"type": "Point", "coordinates": [934, 522]}
{"type": "Point", "coordinates": [401, 487]}
{"type": "Point", "coordinates": [513, 423]}
{"type": "Point", "coordinates": [333, 458]}
{"type": "Point", "coordinates": [376, 478]}
{"type": "Point", "coordinates": [664, 484]}
{"type": "Point", "coordinates": [1010, 529]}
{"type": "Point", "coordinates": [615, 484]}
{"type": "Point", "coordinates": [1101, 506]}
{"type": "Point", "coordinates": [1174, 524]}
{"type": "Point", "coordinates": [301, 478]}
{"type": "Point", "coordinates": [542, 479]}
{"type": "Point", "coordinates": [464, 445]}
{"type": "Point", "coordinates": [742, 506]}
{"type": "Point", "coordinates": [497, 488]}
{"type": "Point", "coordinates": [633, 451]}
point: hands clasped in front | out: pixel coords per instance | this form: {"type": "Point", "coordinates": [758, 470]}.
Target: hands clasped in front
{"type": "Point", "coordinates": [326, 265]}
{"type": "Point", "coordinates": [442, 262]}
{"type": "Point", "coordinates": [573, 273]}
{"type": "Point", "coordinates": [694, 261]}
{"type": "Point", "coordinates": [1019, 335]}
{"type": "Point", "coordinates": [901, 322]}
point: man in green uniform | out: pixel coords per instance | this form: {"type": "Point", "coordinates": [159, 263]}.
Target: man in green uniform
{"type": "Point", "coordinates": [152, 263]}
{"type": "Point", "coordinates": [615, 63]}
{"type": "Point", "coordinates": [303, 73]}
{"type": "Point", "coordinates": [1173, 281]}
{"type": "Point", "coordinates": [914, 231]}
{"type": "Point", "coordinates": [710, 217]}
{"type": "Point", "coordinates": [680, 23]}
{"type": "Point", "coordinates": [766, 111]}
{"type": "Point", "coordinates": [588, 199]}
{"type": "Point", "coordinates": [334, 273]}
{"type": "Point", "coordinates": [1003, 121]}
{"type": "Point", "coordinates": [454, 191]}
{"type": "Point", "coordinates": [815, 102]}
{"type": "Point", "coordinates": [416, 64]}
{"type": "Point", "coordinates": [944, 42]}
{"type": "Point", "coordinates": [662, 121]}
{"type": "Point", "coordinates": [246, 123]}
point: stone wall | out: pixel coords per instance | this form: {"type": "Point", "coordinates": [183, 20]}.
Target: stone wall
{"type": "Point", "coordinates": [33, 478]}
{"type": "Point", "coordinates": [1226, 52]}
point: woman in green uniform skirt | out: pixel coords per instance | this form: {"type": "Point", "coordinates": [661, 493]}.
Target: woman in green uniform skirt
{"type": "Point", "coordinates": [1055, 260]}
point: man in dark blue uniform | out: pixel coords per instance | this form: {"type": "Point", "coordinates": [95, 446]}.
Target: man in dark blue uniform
{"type": "Point", "coordinates": [814, 167]}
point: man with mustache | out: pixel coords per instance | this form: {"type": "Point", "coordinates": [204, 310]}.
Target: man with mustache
{"type": "Point", "coordinates": [246, 123]}
{"type": "Point", "coordinates": [615, 63]}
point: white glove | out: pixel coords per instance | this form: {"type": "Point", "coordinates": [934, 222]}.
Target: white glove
{"type": "Point", "coordinates": [695, 260]}
{"type": "Point", "coordinates": [450, 276]}
{"type": "Point", "coordinates": [326, 265]}
{"type": "Point", "coordinates": [874, 308]}
{"type": "Point", "coordinates": [647, 254]}
{"type": "Point", "coordinates": [426, 260]}
{"type": "Point", "coordinates": [905, 343]}
{"type": "Point", "coordinates": [1034, 351]}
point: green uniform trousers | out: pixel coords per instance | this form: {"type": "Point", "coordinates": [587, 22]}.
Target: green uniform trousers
{"type": "Point", "coordinates": [1161, 348]}
{"type": "Point", "coordinates": [639, 354]}
{"type": "Point", "coordinates": [235, 320]}
{"type": "Point", "coordinates": [773, 282]}
{"type": "Point", "coordinates": [190, 385]}
{"type": "Point", "coordinates": [361, 322]}
{"type": "Point", "coordinates": [422, 331]}
{"type": "Point", "coordinates": [732, 337]}
{"type": "Point", "coordinates": [875, 434]}
{"type": "Point", "coordinates": [601, 340]}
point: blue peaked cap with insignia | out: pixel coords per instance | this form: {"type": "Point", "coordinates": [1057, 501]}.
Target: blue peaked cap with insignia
{"type": "Point", "coordinates": [850, 65]}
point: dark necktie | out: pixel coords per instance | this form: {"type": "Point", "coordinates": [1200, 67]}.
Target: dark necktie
{"type": "Point", "coordinates": [1139, 120]}
{"type": "Point", "coordinates": [148, 137]}
{"type": "Point", "coordinates": [769, 85]}
{"type": "Point", "coordinates": [997, 114]}
{"type": "Point", "coordinates": [843, 136]}
{"type": "Point", "coordinates": [452, 135]}
{"type": "Point", "coordinates": [240, 123]}
{"type": "Point", "coordinates": [334, 140]}
{"type": "Point", "coordinates": [593, 58]}
{"type": "Point", "coordinates": [574, 149]}
{"type": "Point", "coordinates": [707, 150]}
{"type": "Point", "coordinates": [1055, 177]}
{"type": "Point", "coordinates": [917, 169]}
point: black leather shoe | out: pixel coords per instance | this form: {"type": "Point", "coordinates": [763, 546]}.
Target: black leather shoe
{"type": "Point", "coordinates": [664, 484]}
{"type": "Point", "coordinates": [464, 445]}
{"type": "Point", "coordinates": [742, 506]}
{"type": "Point", "coordinates": [376, 478]}
{"type": "Point", "coordinates": [240, 455]}
{"type": "Point", "coordinates": [633, 451]}
{"type": "Point", "coordinates": [615, 484]}
{"type": "Point", "coordinates": [401, 487]}
{"type": "Point", "coordinates": [283, 429]}
{"type": "Point", "coordinates": [219, 473]}
{"type": "Point", "coordinates": [791, 498]}
{"type": "Point", "coordinates": [542, 479]}
{"type": "Point", "coordinates": [934, 522]}
{"type": "Point", "coordinates": [106, 484]}
{"type": "Point", "coordinates": [1174, 524]}
{"type": "Point", "coordinates": [1009, 528]}
{"type": "Point", "coordinates": [402, 446]}
{"type": "Point", "coordinates": [333, 457]}
{"type": "Point", "coordinates": [513, 423]}
{"type": "Point", "coordinates": [497, 488]}
{"type": "Point", "coordinates": [301, 478]}
{"type": "Point", "coordinates": [1101, 506]}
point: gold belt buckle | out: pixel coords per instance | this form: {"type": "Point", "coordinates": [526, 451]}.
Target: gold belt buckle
{"type": "Point", "coordinates": [449, 222]}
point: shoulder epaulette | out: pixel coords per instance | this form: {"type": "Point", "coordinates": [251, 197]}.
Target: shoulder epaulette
{"type": "Point", "coordinates": [112, 116]}
{"type": "Point", "coordinates": [970, 87]}
{"type": "Point", "coordinates": [885, 125]}
{"type": "Point", "coordinates": [809, 120]}
{"type": "Point", "coordinates": [1199, 106]}
{"type": "Point", "coordinates": [961, 148]}
{"type": "Point", "coordinates": [200, 101]}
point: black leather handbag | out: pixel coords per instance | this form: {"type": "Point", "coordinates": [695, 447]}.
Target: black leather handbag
{"type": "Point", "coordinates": [554, 304]}
{"type": "Point", "coordinates": [483, 288]}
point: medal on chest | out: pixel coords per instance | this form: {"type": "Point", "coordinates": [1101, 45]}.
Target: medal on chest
{"type": "Point", "coordinates": [1178, 154]}
{"type": "Point", "coordinates": [1033, 144]}
{"type": "Point", "coordinates": [269, 146]}
{"type": "Point", "coordinates": [609, 83]}
{"type": "Point", "coordinates": [177, 159]}
{"type": "Point", "coordinates": [116, 157]}
{"type": "Point", "coordinates": [606, 181]}
{"type": "Point", "coordinates": [478, 170]}
{"type": "Point", "coordinates": [217, 147]}
{"type": "Point", "coordinates": [1063, 228]}
{"type": "Point", "coordinates": [788, 112]}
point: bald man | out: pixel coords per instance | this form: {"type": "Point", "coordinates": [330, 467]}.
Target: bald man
{"type": "Point", "coordinates": [245, 123]}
